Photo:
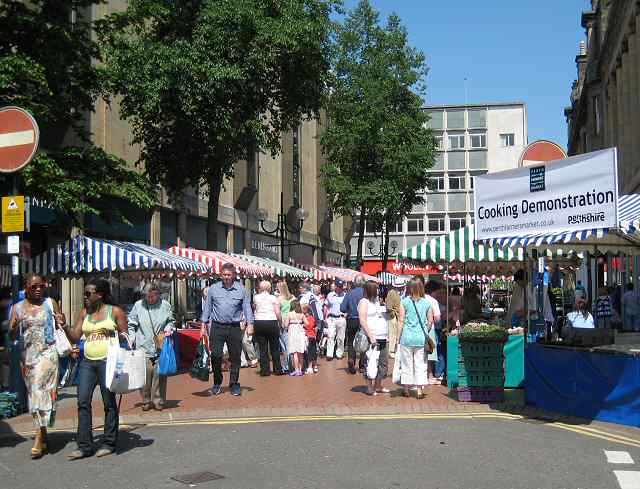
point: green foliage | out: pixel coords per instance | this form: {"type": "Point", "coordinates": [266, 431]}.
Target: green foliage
{"type": "Point", "coordinates": [46, 68]}
{"type": "Point", "coordinates": [205, 82]}
{"type": "Point", "coordinates": [377, 145]}
{"type": "Point", "coordinates": [479, 332]}
{"type": "Point", "coordinates": [52, 177]}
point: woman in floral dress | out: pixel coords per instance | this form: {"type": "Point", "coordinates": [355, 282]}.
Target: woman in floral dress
{"type": "Point", "coordinates": [34, 320]}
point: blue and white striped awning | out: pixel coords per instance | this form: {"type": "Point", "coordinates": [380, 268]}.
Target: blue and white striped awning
{"type": "Point", "coordinates": [88, 255]}
{"type": "Point", "coordinates": [548, 239]}
{"type": "Point", "coordinates": [629, 213]}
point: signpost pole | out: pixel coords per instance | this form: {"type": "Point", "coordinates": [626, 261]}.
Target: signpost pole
{"type": "Point", "coordinates": [15, 259]}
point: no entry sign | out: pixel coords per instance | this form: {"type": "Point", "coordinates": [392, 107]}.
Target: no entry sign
{"type": "Point", "coordinates": [19, 136]}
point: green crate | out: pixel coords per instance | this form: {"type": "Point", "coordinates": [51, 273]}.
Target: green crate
{"type": "Point", "coordinates": [482, 379]}
{"type": "Point", "coordinates": [480, 349]}
{"type": "Point", "coordinates": [481, 363]}
{"type": "Point", "coordinates": [463, 370]}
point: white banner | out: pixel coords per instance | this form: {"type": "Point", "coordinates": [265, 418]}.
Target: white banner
{"type": "Point", "coordinates": [574, 194]}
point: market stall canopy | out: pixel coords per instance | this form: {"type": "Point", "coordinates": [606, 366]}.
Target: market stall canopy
{"type": "Point", "coordinates": [459, 246]}
{"type": "Point", "coordinates": [279, 269]}
{"type": "Point", "coordinates": [215, 259]}
{"type": "Point", "coordinates": [88, 255]}
{"type": "Point", "coordinates": [346, 274]}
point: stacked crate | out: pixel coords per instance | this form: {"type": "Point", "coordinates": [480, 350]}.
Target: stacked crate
{"type": "Point", "coordinates": [480, 372]}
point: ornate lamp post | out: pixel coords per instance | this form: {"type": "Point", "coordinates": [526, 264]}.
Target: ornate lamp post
{"type": "Point", "coordinates": [283, 225]}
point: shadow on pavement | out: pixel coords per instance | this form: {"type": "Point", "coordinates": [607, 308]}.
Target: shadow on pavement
{"type": "Point", "coordinates": [9, 438]}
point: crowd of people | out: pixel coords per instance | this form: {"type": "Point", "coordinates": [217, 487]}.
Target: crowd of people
{"type": "Point", "coordinates": [271, 328]}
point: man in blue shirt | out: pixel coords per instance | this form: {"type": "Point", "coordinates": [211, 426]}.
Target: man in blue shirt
{"type": "Point", "coordinates": [227, 303]}
{"type": "Point", "coordinates": [349, 307]}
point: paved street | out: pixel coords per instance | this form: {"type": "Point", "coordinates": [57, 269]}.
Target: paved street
{"type": "Point", "coordinates": [434, 453]}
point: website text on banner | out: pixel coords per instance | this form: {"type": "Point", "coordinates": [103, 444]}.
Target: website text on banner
{"type": "Point", "coordinates": [573, 194]}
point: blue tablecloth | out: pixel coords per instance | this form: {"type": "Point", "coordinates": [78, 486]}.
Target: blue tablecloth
{"type": "Point", "coordinates": [514, 362]}
{"type": "Point", "coordinates": [579, 382]}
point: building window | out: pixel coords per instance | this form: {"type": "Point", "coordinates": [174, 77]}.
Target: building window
{"type": "Point", "coordinates": [456, 161]}
{"type": "Point", "coordinates": [456, 141]}
{"type": "Point", "coordinates": [415, 223]}
{"type": "Point", "coordinates": [436, 224]}
{"type": "Point", "coordinates": [435, 203]}
{"type": "Point", "coordinates": [457, 222]}
{"type": "Point", "coordinates": [253, 169]}
{"type": "Point", "coordinates": [296, 167]}
{"type": "Point", "coordinates": [455, 119]}
{"type": "Point", "coordinates": [457, 182]}
{"type": "Point", "coordinates": [507, 140]}
{"type": "Point", "coordinates": [477, 160]}
{"type": "Point", "coordinates": [438, 164]}
{"type": "Point", "coordinates": [596, 114]}
{"type": "Point", "coordinates": [436, 119]}
{"type": "Point", "coordinates": [439, 142]}
{"type": "Point", "coordinates": [395, 227]}
{"type": "Point", "coordinates": [478, 140]}
{"type": "Point", "coordinates": [477, 118]}
{"type": "Point", "coordinates": [437, 183]}
{"type": "Point", "coordinates": [457, 202]}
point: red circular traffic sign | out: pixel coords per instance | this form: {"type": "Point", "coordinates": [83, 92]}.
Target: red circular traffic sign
{"type": "Point", "coordinates": [19, 136]}
{"type": "Point", "coordinates": [541, 152]}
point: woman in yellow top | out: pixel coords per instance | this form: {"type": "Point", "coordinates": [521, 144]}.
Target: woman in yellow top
{"type": "Point", "coordinates": [98, 321]}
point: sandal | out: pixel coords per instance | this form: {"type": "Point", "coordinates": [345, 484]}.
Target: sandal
{"type": "Point", "coordinates": [384, 390]}
{"type": "Point", "coordinates": [406, 394]}
{"type": "Point", "coordinates": [374, 393]}
{"type": "Point", "coordinates": [37, 453]}
{"type": "Point", "coordinates": [76, 455]}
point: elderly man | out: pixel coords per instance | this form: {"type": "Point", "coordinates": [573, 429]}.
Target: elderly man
{"type": "Point", "coordinates": [227, 303]}
{"type": "Point", "coordinates": [150, 320]}
{"type": "Point", "coordinates": [350, 307]}
{"type": "Point", "coordinates": [336, 323]}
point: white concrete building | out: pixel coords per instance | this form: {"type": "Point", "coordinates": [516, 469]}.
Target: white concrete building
{"type": "Point", "coordinates": [473, 139]}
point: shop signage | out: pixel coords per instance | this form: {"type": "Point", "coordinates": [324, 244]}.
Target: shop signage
{"type": "Point", "coordinates": [265, 247]}
{"type": "Point", "coordinates": [573, 194]}
{"type": "Point", "coordinates": [401, 268]}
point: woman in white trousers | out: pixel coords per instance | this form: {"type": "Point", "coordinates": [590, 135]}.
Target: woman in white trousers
{"type": "Point", "coordinates": [414, 321]}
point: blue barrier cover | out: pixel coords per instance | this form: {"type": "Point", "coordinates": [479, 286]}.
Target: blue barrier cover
{"type": "Point", "coordinates": [592, 385]}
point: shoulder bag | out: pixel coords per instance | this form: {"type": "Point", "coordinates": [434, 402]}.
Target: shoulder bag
{"type": "Point", "coordinates": [429, 345]}
{"type": "Point", "coordinates": [158, 336]}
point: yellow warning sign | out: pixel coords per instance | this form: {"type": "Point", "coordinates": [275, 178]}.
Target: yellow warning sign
{"type": "Point", "coordinates": [13, 214]}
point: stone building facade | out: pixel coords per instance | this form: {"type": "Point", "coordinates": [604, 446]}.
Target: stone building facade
{"type": "Point", "coordinates": [605, 100]}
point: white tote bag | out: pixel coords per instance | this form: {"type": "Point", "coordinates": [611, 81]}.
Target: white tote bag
{"type": "Point", "coordinates": [63, 345]}
{"type": "Point", "coordinates": [126, 370]}
{"type": "Point", "coordinates": [372, 362]}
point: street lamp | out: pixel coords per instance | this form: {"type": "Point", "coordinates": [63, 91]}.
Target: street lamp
{"type": "Point", "coordinates": [283, 226]}
{"type": "Point", "coordinates": [393, 245]}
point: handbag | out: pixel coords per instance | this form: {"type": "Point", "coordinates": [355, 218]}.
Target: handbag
{"type": "Point", "coordinates": [126, 370]}
{"type": "Point", "coordinates": [200, 366]}
{"type": "Point", "coordinates": [373, 354]}
{"type": "Point", "coordinates": [429, 345]}
{"type": "Point", "coordinates": [167, 364]}
{"type": "Point", "coordinates": [360, 342]}
{"type": "Point", "coordinates": [63, 345]}
{"type": "Point", "coordinates": [158, 336]}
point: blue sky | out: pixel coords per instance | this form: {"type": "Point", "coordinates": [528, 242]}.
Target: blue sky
{"type": "Point", "coordinates": [509, 50]}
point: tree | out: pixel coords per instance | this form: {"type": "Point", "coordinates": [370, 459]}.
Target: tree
{"type": "Point", "coordinates": [206, 82]}
{"type": "Point", "coordinates": [377, 144]}
{"type": "Point", "coordinates": [46, 54]}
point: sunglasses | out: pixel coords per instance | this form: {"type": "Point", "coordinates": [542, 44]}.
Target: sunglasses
{"type": "Point", "coordinates": [38, 286]}
{"type": "Point", "coordinates": [88, 293]}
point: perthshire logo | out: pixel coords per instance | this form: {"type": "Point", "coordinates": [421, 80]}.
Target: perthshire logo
{"type": "Point", "coordinates": [536, 179]}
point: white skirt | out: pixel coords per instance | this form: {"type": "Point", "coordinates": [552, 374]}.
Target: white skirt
{"type": "Point", "coordinates": [297, 339]}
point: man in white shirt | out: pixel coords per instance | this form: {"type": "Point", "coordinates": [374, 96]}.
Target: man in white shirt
{"type": "Point", "coordinates": [336, 322]}
{"type": "Point", "coordinates": [430, 288]}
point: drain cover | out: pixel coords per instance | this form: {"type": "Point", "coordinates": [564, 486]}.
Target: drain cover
{"type": "Point", "coordinates": [197, 477]}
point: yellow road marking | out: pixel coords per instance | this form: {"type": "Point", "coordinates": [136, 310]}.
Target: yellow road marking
{"type": "Point", "coordinates": [582, 430]}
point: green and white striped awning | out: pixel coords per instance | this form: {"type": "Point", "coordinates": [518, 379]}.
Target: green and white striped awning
{"type": "Point", "coordinates": [279, 269]}
{"type": "Point", "coordinates": [458, 246]}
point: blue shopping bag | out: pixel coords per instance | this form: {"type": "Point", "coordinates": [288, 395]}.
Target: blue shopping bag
{"type": "Point", "coordinates": [167, 365]}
